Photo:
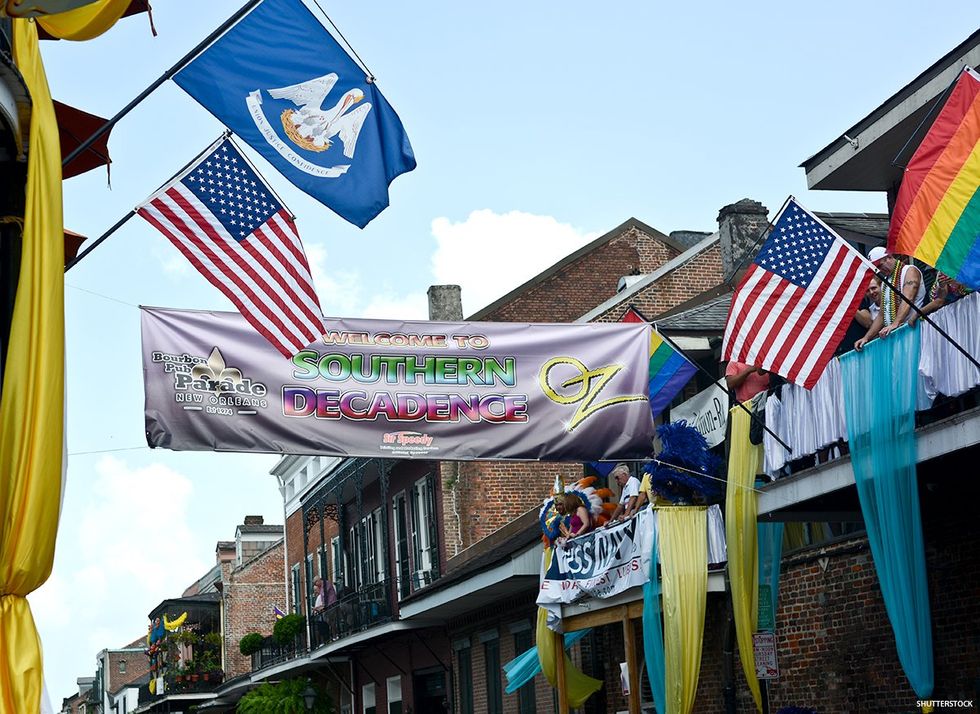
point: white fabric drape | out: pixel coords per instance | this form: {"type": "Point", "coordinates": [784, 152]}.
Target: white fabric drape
{"type": "Point", "coordinates": [811, 420]}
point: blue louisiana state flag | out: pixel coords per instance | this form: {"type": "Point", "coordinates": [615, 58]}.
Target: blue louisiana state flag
{"type": "Point", "coordinates": [282, 83]}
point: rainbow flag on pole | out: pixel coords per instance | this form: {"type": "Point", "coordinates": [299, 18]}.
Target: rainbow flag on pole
{"type": "Point", "coordinates": [937, 212]}
{"type": "Point", "coordinates": [669, 372]}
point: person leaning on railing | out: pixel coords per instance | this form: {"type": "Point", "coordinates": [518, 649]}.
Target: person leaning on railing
{"type": "Point", "coordinates": [894, 310]}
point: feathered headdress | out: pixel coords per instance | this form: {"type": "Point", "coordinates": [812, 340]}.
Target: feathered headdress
{"type": "Point", "coordinates": [586, 493]}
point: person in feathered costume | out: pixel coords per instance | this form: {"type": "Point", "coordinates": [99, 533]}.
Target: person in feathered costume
{"type": "Point", "coordinates": [573, 510]}
{"type": "Point", "coordinates": [685, 471]}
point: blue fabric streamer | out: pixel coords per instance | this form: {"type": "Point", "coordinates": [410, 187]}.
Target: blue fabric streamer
{"type": "Point", "coordinates": [879, 402]}
{"type": "Point", "coordinates": [770, 556]}
{"type": "Point", "coordinates": [526, 666]}
{"type": "Point", "coordinates": [653, 633]}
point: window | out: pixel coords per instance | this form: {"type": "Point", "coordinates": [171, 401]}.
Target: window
{"type": "Point", "coordinates": [525, 695]}
{"type": "Point", "coordinates": [122, 666]}
{"type": "Point", "coordinates": [465, 675]}
{"type": "Point", "coordinates": [491, 656]}
{"type": "Point", "coordinates": [367, 699]}
{"type": "Point", "coordinates": [322, 552]}
{"type": "Point", "coordinates": [296, 590]}
{"type": "Point", "coordinates": [309, 583]}
{"type": "Point", "coordinates": [402, 567]}
{"type": "Point", "coordinates": [423, 520]}
{"type": "Point", "coordinates": [380, 548]}
{"type": "Point", "coordinates": [394, 685]}
{"type": "Point", "coordinates": [339, 572]}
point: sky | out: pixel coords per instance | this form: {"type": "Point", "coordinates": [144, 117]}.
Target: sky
{"type": "Point", "coordinates": [537, 127]}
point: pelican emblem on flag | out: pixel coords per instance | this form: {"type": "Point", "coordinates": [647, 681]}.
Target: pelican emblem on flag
{"type": "Point", "coordinates": [308, 126]}
{"type": "Point", "coordinates": [311, 127]}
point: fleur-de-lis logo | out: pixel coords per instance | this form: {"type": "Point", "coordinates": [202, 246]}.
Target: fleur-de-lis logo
{"type": "Point", "coordinates": [215, 371]}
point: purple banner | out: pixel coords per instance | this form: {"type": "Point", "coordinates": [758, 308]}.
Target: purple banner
{"type": "Point", "coordinates": [442, 390]}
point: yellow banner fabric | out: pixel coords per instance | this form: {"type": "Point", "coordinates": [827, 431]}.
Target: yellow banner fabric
{"type": "Point", "coordinates": [32, 403]}
{"type": "Point", "coordinates": [684, 568]}
{"type": "Point", "coordinates": [741, 533]}
{"type": "Point", "coordinates": [86, 22]}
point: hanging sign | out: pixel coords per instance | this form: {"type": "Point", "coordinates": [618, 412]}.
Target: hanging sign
{"type": "Point", "coordinates": [764, 647]}
{"type": "Point", "coordinates": [441, 390]}
{"type": "Point", "coordinates": [601, 563]}
{"type": "Point", "coordinates": [706, 411]}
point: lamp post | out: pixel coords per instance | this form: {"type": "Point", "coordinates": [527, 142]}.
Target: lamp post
{"type": "Point", "coordinates": [309, 696]}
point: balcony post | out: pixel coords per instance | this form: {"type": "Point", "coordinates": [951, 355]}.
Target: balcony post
{"type": "Point", "coordinates": [385, 467]}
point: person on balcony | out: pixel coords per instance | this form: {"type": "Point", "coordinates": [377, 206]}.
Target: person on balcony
{"type": "Point", "coordinates": [630, 486]}
{"type": "Point", "coordinates": [943, 292]}
{"type": "Point", "coordinates": [580, 521]}
{"type": "Point", "coordinates": [746, 380]}
{"type": "Point", "coordinates": [894, 311]}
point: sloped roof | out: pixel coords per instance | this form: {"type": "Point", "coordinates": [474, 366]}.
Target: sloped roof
{"type": "Point", "coordinates": [709, 316]}
{"type": "Point", "coordinates": [874, 225]}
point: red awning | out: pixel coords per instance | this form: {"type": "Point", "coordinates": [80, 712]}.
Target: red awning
{"type": "Point", "coordinates": [74, 127]}
{"type": "Point", "coordinates": [73, 241]}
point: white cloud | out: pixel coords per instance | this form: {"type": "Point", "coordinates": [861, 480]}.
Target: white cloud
{"type": "Point", "coordinates": [342, 295]}
{"type": "Point", "coordinates": [130, 546]}
{"type": "Point", "coordinates": [489, 254]}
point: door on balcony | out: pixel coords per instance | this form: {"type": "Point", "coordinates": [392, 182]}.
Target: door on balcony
{"type": "Point", "coordinates": [429, 686]}
{"type": "Point", "coordinates": [402, 566]}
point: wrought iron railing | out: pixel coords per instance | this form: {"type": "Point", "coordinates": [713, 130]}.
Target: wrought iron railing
{"type": "Point", "coordinates": [273, 653]}
{"type": "Point", "coordinates": [352, 613]}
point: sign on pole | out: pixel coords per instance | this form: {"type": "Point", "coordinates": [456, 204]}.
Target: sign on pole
{"type": "Point", "coordinates": [764, 646]}
{"type": "Point", "coordinates": [706, 411]}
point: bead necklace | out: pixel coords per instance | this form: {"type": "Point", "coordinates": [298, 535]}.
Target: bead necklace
{"type": "Point", "coordinates": [889, 306]}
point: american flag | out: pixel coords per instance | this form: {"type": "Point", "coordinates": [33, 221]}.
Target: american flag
{"type": "Point", "coordinates": [796, 300]}
{"type": "Point", "coordinates": [226, 221]}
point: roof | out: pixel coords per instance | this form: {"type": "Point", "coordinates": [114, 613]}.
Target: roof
{"type": "Point", "coordinates": [646, 280]}
{"type": "Point", "coordinates": [572, 257]}
{"type": "Point", "coordinates": [709, 316]}
{"type": "Point", "coordinates": [861, 158]}
{"type": "Point", "coordinates": [275, 530]}
{"type": "Point", "coordinates": [486, 553]}
{"type": "Point", "coordinates": [201, 600]}
{"type": "Point", "coordinates": [874, 225]}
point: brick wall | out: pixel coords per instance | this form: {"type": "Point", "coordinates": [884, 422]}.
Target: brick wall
{"type": "Point", "coordinates": [678, 286]}
{"type": "Point", "coordinates": [136, 663]}
{"type": "Point", "coordinates": [249, 594]}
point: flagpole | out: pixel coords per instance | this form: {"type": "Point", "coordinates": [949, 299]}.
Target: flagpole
{"type": "Point", "coordinates": [717, 381]}
{"type": "Point", "coordinates": [119, 224]}
{"type": "Point", "coordinates": [181, 63]}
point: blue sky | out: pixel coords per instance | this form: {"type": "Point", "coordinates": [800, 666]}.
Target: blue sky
{"type": "Point", "coordinates": [536, 126]}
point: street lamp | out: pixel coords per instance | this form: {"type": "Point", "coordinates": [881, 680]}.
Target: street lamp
{"type": "Point", "coordinates": [309, 695]}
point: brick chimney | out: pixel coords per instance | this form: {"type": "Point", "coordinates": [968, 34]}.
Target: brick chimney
{"type": "Point", "coordinates": [740, 225]}
{"type": "Point", "coordinates": [254, 520]}
{"type": "Point", "coordinates": [445, 303]}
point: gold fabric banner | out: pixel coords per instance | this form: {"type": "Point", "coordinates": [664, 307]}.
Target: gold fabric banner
{"type": "Point", "coordinates": [684, 567]}
{"type": "Point", "coordinates": [85, 23]}
{"type": "Point", "coordinates": [32, 404]}
{"type": "Point", "coordinates": [741, 512]}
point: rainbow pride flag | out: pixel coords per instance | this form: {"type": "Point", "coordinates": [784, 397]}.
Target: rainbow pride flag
{"type": "Point", "coordinates": [937, 212]}
{"type": "Point", "coordinates": [669, 372]}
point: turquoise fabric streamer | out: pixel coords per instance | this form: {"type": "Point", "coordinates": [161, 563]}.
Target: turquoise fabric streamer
{"type": "Point", "coordinates": [525, 666]}
{"type": "Point", "coordinates": [770, 556]}
{"type": "Point", "coordinates": [879, 402]}
{"type": "Point", "coordinates": [653, 633]}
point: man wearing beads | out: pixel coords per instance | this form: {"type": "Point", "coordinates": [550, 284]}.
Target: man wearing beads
{"type": "Point", "coordinates": [894, 310]}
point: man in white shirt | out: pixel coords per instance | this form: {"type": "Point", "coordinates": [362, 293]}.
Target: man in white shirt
{"type": "Point", "coordinates": [630, 486]}
{"type": "Point", "coordinates": [894, 311]}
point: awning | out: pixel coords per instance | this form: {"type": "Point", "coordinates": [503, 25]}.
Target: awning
{"type": "Point", "coordinates": [74, 127]}
{"type": "Point", "coordinates": [135, 8]}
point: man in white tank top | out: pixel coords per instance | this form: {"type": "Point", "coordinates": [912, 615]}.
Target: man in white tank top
{"type": "Point", "coordinates": [894, 311]}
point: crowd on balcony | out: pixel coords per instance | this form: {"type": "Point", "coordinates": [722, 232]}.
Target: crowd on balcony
{"type": "Point", "coordinates": [812, 422]}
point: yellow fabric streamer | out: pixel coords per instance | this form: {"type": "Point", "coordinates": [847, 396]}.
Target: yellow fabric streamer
{"type": "Point", "coordinates": [578, 685]}
{"type": "Point", "coordinates": [32, 403]}
{"type": "Point", "coordinates": [741, 532]}
{"type": "Point", "coordinates": [86, 22]}
{"type": "Point", "coordinates": [683, 539]}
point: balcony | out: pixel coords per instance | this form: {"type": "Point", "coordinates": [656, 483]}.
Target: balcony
{"type": "Point", "coordinates": [275, 653]}
{"type": "Point", "coordinates": [813, 422]}
{"type": "Point", "coordinates": [363, 609]}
